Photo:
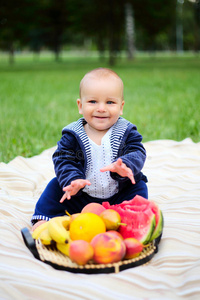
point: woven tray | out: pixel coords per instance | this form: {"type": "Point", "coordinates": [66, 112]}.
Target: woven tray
{"type": "Point", "coordinates": [53, 257]}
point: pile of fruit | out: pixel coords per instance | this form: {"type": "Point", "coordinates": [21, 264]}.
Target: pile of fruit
{"type": "Point", "coordinates": [104, 233]}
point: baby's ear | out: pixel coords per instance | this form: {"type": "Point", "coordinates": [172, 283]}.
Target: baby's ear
{"type": "Point", "coordinates": [79, 103]}
{"type": "Point", "coordinates": [122, 106]}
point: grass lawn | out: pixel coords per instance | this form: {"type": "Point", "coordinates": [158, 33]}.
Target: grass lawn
{"type": "Point", "coordinates": [38, 98]}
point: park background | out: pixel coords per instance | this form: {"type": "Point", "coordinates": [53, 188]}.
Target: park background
{"type": "Point", "coordinates": [47, 46]}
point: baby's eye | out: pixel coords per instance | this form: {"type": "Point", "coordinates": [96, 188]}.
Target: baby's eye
{"type": "Point", "coordinates": [92, 101]}
{"type": "Point", "coordinates": [110, 102]}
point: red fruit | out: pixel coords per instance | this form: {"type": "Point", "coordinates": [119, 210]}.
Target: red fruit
{"type": "Point", "coordinates": [143, 218]}
{"type": "Point", "coordinates": [133, 248]}
{"type": "Point", "coordinates": [107, 248]}
{"type": "Point", "coordinates": [115, 233]}
{"type": "Point", "coordinates": [95, 208]}
{"type": "Point", "coordinates": [80, 252]}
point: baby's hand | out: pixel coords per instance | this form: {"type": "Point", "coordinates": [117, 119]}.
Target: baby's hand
{"type": "Point", "coordinates": [120, 168]}
{"type": "Point", "coordinates": [73, 188]}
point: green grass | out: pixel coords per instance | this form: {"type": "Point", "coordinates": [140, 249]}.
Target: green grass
{"type": "Point", "coordinates": [38, 98]}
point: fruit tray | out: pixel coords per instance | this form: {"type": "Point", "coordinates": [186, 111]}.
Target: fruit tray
{"type": "Point", "coordinates": [53, 257]}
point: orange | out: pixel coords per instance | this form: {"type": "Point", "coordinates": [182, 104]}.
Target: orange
{"type": "Point", "coordinates": [86, 226]}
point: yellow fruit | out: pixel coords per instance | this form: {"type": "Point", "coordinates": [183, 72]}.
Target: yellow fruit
{"type": "Point", "coordinates": [73, 217]}
{"type": "Point", "coordinates": [64, 248]}
{"type": "Point", "coordinates": [58, 229]}
{"type": "Point", "coordinates": [86, 226]}
{"type": "Point", "coordinates": [111, 219]}
{"type": "Point", "coordinates": [36, 233]}
{"type": "Point", "coordinates": [45, 237]}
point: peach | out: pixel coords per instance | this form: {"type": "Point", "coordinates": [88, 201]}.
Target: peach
{"type": "Point", "coordinates": [107, 248]}
{"type": "Point", "coordinates": [80, 252]}
{"type": "Point", "coordinates": [95, 208]}
{"type": "Point", "coordinates": [115, 233]}
{"type": "Point", "coordinates": [133, 248]}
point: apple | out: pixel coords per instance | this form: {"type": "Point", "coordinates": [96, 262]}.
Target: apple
{"type": "Point", "coordinates": [133, 248]}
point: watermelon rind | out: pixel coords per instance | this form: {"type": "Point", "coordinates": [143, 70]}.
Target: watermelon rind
{"type": "Point", "coordinates": [158, 230]}
{"type": "Point", "coordinates": [146, 239]}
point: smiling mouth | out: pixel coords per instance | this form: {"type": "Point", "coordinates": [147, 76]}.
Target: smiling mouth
{"type": "Point", "coordinates": [98, 117]}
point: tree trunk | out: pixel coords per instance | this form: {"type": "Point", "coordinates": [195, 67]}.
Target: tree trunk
{"type": "Point", "coordinates": [197, 26]}
{"type": "Point", "coordinates": [11, 54]}
{"type": "Point", "coordinates": [130, 30]}
{"type": "Point", "coordinates": [111, 48]}
{"type": "Point", "coordinates": [179, 26]}
{"type": "Point", "coordinates": [57, 52]}
{"type": "Point", "coordinates": [101, 46]}
{"type": "Point", "coordinates": [111, 34]}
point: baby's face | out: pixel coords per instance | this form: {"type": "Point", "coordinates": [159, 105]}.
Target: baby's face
{"type": "Point", "coordinates": [101, 101]}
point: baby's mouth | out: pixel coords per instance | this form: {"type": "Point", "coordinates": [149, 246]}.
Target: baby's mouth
{"type": "Point", "coordinates": [100, 117]}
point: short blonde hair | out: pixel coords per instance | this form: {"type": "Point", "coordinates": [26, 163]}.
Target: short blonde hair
{"type": "Point", "coordinates": [101, 73]}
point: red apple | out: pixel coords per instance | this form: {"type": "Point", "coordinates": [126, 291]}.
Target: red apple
{"type": "Point", "coordinates": [133, 248]}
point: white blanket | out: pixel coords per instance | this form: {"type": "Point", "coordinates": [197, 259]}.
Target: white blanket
{"type": "Point", "coordinates": [173, 170]}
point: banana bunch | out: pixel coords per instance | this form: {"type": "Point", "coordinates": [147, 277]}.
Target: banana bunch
{"type": "Point", "coordinates": [56, 231]}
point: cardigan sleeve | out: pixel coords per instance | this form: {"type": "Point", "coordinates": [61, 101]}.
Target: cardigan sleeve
{"type": "Point", "coordinates": [132, 153]}
{"type": "Point", "coordinates": [68, 160]}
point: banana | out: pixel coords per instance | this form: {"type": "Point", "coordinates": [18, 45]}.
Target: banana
{"type": "Point", "coordinates": [36, 233]}
{"type": "Point", "coordinates": [58, 229]}
{"type": "Point", "coordinates": [64, 248]}
{"type": "Point", "coordinates": [45, 237]}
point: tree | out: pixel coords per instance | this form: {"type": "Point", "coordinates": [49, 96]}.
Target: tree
{"type": "Point", "coordinates": [197, 24]}
{"type": "Point", "coordinates": [130, 30]}
{"type": "Point", "coordinates": [153, 17]}
{"type": "Point", "coordinates": [16, 20]}
{"type": "Point", "coordinates": [53, 22]}
{"type": "Point", "coordinates": [103, 21]}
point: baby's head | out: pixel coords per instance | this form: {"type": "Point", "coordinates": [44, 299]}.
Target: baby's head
{"type": "Point", "coordinates": [102, 78]}
{"type": "Point", "coordinates": [101, 98]}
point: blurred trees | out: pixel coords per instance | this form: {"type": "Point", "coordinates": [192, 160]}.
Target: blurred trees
{"type": "Point", "coordinates": [54, 21]}
{"type": "Point", "coordinates": [49, 24]}
{"type": "Point", "coordinates": [154, 18]}
{"type": "Point", "coordinates": [16, 20]}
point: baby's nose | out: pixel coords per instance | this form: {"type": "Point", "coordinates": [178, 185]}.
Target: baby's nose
{"type": "Point", "coordinates": [101, 107]}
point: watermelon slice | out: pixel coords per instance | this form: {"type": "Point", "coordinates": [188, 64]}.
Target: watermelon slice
{"type": "Point", "coordinates": [140, 225]}
{"type": "Point", "coordinates": [159, 221]}
{"type": "Point", "coordinates": [144, 219]}
{"type": "Point", "coordinates": [140, 202]}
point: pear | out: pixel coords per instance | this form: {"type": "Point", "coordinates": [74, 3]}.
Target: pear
{"type": "Point", "coordinates": [111, 219]}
